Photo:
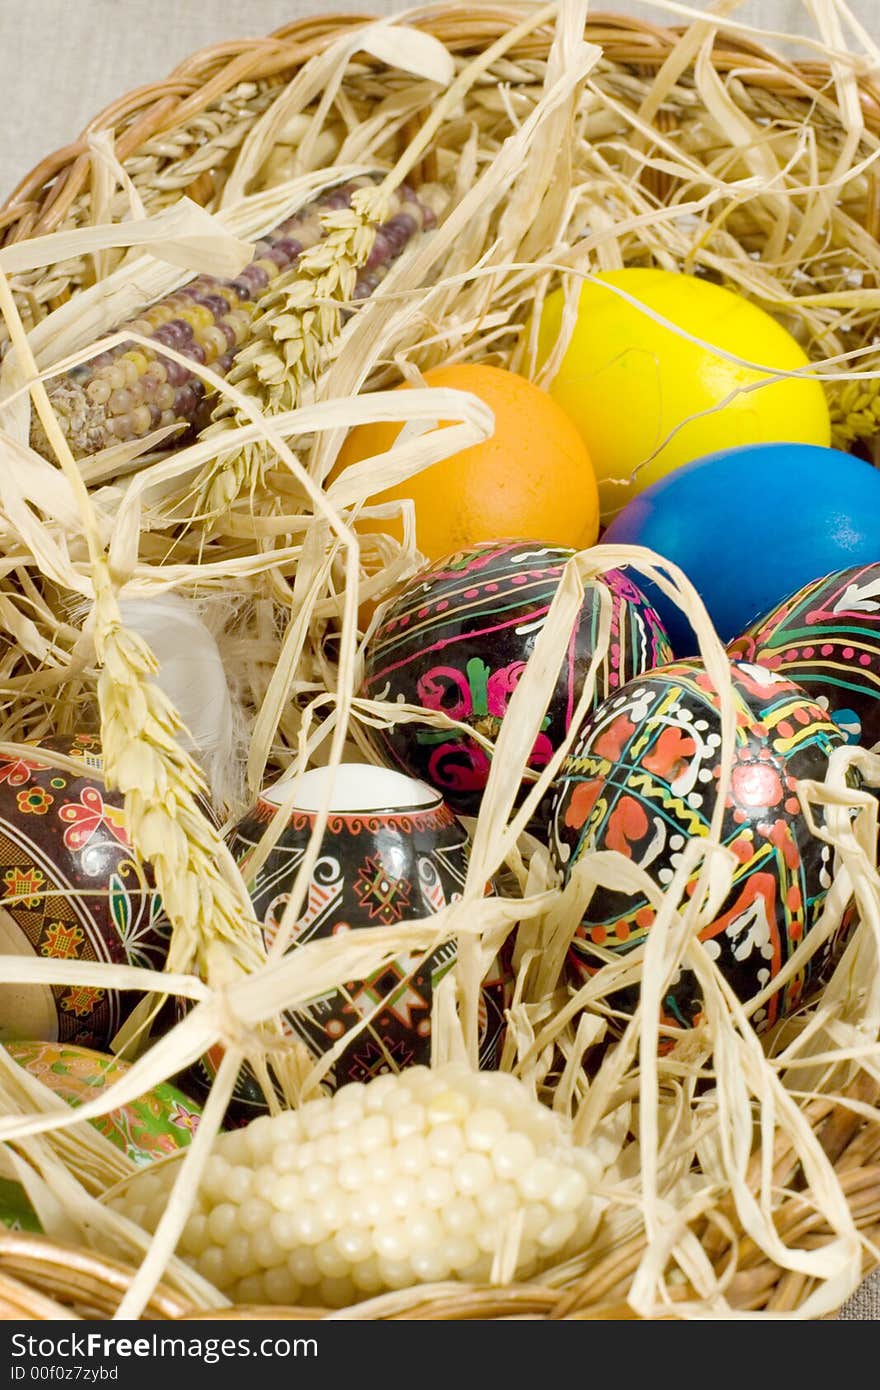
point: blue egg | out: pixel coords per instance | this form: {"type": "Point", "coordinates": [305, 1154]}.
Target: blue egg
{"type": "Point", "coordinates": [750, 525]}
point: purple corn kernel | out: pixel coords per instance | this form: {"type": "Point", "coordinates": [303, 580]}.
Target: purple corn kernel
{"type": "Point", "coordinates": [166, 390]}
{"type": "Point", "coordinates": [338, 199]}
{"type": "Point", "coordinates": [175, 334]}
{"type": "Point", "coordinates": [185, 401]}
{"type": "Point", "coordinates": [365, 285]}
{"type": "Point", "coordinates": [255, 277]}
{"type": "Point", "coordinates": [215, 302]}
{"type": "Point", "coordinates": [290, 247]}
{"type": "Point", "coordinates": [398, 230]}
{"type": "Point", "coordinates": [277, 256]}
{"type": "Point", "coordinates": [393, 240]}
{"type": "Point", "coordinates": [381, 251]}
{"type": "Point", "coordinates": [176, 373]}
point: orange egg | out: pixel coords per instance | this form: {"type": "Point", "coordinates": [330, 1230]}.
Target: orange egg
{"type": "Point", "coordinates": [531, 480]}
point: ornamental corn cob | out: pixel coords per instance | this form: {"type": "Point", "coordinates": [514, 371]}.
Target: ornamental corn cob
{"type": "Point", "coordinates": [416, 1177]}
{"type": "Point", "coordinates": [122, 394]}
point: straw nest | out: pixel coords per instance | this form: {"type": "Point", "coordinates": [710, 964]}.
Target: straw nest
{"type": "Point", "coordinates": [741, 1176]}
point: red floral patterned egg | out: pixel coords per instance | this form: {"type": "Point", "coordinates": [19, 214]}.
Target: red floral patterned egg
{"type": "Point", "coordinates": [641, 780]}
{"type": "Point", "coordinates": [457, 639]}
{"type": "Point", "coordinates": [71, 889]}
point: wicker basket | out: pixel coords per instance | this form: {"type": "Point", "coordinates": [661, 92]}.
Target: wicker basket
{"type": "Point", "coordinates": [211, 101]}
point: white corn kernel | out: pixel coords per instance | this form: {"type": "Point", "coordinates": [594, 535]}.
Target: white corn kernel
{"type": "Point", "coordinates": [354, 1243]}
{"type": "Point", "coordinates": [239, 1256]}
{"type": "Point", "coordinates": [437, 1187]}
{"type": "Point", "coordinates": [316, 1180]}
{"type": "Point", "coordinates": [473, 1174]}
{"type": "Point", "coordinates": [406, 1179]}
{"type": "Point", "coordinates": [484, 1128]}
{"type": "Point", "coordinates": [460, 1216]}
{"type": "Point", "coordinates": [445, 1144]}
{"type": "Point", "coordinates": [512, 1155]}
{"type": "Point", "coordinates": [536, 1183]}
{"type": "Point", "coordinates": [303, 1267]}
{"type": "Point", "coordinates": [252, 1215]}
{"type": "Point", "coordinates": [285, 1192]}
{"type": "Point", "coordinates": [250, 1290]}
{"type": "Point", "coordinates": [221, 1223]}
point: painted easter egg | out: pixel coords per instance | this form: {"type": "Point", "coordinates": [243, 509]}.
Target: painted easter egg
{"type": "Point", "coordinates": [641, 780]}
{"type": "Point", "coordinates": [157, 1124]}
{"type": "Point", "coordinates": [826, 637]}
{"type": "Point", "coordinates": [16, 1212]}
{"type": "Point", "coordinates": [392, 852]}
{"type": "Point", "coordinates": [457, 640]}
{"type": "Point", "coordinates": [71, 889]}
{"type": "Point", "coordinates": [649, 394]}
{"type": "Point", "coordinates": [750, 525]}
{"type": "Point", "coordinates": [531, 477]}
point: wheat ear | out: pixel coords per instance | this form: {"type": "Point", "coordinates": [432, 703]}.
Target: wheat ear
{"type": "Point", "coordinates": [300, 319]}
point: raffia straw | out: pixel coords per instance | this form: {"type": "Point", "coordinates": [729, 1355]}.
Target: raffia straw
{"type": "Point", "coordinates": [292, 336]}
{"type": "Point", "coordinates": [557, 162]}
{"type": "Point", "coordinates": [304, 316]}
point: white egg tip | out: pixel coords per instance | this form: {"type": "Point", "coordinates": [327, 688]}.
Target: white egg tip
{"type": "Point", "coordinates": [356, 788]}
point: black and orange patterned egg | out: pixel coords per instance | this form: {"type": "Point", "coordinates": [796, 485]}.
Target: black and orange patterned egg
{"type": "Point", "coordinates": [457, 640]}
{"type": "Point", "coordinates": [641, 779]}
{"type": "Point", "coordinates": [391, 852]}
{"type": "Point", "coordinates": [826, 636]}
{"type": "Point", "coordinates": [71, 889]}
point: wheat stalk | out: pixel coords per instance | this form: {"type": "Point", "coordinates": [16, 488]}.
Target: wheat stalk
{"type": "Point", "coordinates": [203, 896]}
{"type": "Point", "coordinates": [301, 317]}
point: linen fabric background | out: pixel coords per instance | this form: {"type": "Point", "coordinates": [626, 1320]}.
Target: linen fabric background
{"type": "Point", "coordinates": [63, 61]}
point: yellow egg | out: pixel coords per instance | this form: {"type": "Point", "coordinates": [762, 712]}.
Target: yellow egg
{"type": "Point", "coordinates": [532, 480]}
{"type": "Point", "coordinates": [629, 382]}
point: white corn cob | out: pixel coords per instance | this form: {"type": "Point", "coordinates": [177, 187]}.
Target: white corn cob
{"type": "Point", "coordinates": [407, 1179]}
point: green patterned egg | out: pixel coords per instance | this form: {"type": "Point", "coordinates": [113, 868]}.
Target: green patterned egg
{"type": "Point", "coordinates": [159, 1123]}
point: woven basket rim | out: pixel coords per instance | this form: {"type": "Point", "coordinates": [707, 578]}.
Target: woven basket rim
{"type": "Point", "coordinates": [42, 197]}
{"type": "Point", "coordinates": [40, 1278]}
